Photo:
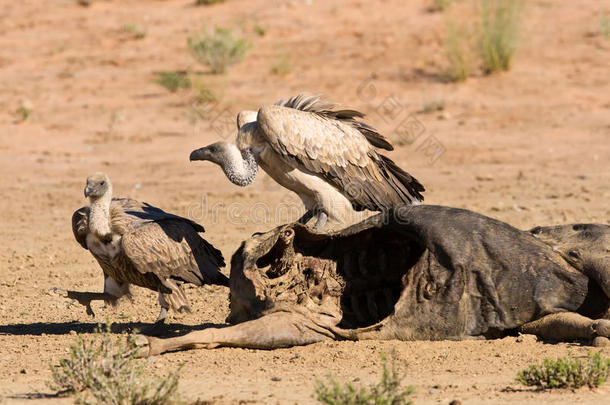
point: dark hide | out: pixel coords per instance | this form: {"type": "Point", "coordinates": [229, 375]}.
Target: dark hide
{"type": "Point", "coordinates": [417, 272]}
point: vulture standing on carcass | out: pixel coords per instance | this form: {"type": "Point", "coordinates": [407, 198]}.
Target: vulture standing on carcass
{"type": "Point", "coordinates": [136, 243]}
{"type": "Point", "coordinates": [324, 155]}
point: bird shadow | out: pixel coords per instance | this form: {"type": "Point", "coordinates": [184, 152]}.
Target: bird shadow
{"type": "Point", "coordinates": [65, 328]}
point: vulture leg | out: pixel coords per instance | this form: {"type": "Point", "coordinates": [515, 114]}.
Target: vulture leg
{"type": "Point", "coordinates": [566, 326]}
{"type": "Point", "coordinates": [164, 308]}
{"type": "Point", "coordinates": [158, 328]}
{"type": "Point", "coordinates": [322, 217]}
{"type": "Point", "coordinates": [280, 329]}
{"type": "Point", "coordinates": [306, 217]}
{"type": "Point", "coordinates": [115, 290]}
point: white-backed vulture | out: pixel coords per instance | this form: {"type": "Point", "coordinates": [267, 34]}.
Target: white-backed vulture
{"type": "Point", "coordinates": [324, 155]}
{"type": "Point", "coordinates": [136, 243]}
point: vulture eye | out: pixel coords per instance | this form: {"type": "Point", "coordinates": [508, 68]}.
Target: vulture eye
{"type": "Point", "coordinates": [102, 183]}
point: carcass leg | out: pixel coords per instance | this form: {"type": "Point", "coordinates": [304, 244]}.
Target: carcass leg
{"type": "Point", "coordinates": [567, 326]}
{"type": "Point", "coordinates": [280, 329]}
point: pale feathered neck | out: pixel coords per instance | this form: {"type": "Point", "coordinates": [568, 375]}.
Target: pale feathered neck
{"type": "Point", "coordinates": [99, 215]}
{"type": "Point", "coordinates": [239, 166]}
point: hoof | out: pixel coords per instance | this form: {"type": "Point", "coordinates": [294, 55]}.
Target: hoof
{"type": "Point", "coordinates": [602, 327]}
{"type": "Point", "coordinates": [600, 341]}
{"type": "Point", "coordinates": [143, 346]}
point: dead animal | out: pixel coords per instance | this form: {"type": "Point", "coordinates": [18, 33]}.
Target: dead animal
{"type": "Point", "coordinates": [413, 273]}
{"type": "Point", "coordinates": [326, 156]}
{"type": "Point", "coordinates": [136, 243]}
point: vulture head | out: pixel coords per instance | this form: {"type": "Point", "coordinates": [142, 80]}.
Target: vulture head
{"type": "Point", "coordinates": [218, 152]}
{"type": "Point", "coordinates": [239, 166]}
{"type": "Point", "coordinates": [98, 185]}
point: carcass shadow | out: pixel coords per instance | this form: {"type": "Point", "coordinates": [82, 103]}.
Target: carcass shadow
{"type": "Point", "coordinates": [65, 328]}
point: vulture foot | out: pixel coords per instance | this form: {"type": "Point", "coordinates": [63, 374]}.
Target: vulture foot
{"type": "Point", "coordinates": [158, 328]}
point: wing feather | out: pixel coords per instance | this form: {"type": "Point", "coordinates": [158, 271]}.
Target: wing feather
{"type": "Point", "coordinates": [140, 213]}
{"type": "Point", "coordinates": [173, 249]}
{"type": "Point", "coordinates": [340, 153]}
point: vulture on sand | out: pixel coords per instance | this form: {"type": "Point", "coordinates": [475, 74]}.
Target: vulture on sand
{"type": "Point", "coordinates": [136, 243]}
{"type": "Point", "coordinates": [325, 155]}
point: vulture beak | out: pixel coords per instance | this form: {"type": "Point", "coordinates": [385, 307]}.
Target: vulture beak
{"type": "Point", "coordinates": [199, 154]}
{"type": "Point", "coordinates": [87, 191]}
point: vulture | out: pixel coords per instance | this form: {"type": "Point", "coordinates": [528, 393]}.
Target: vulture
{"type": "Point", "coordinates": [325, 155]}
{"type": "Point", "coordinates": [136, 243]}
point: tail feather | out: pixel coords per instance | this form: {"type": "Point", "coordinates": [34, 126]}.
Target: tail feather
{"type": "Point", "coordinates": [408, 187]}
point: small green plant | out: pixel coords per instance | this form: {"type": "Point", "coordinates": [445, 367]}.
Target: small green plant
{"type": "Point", "coordinates": [441, 5]}
{"type": "Point", "coordinates": [281, 67]}
{"type": "Point", "coordinates": [567, 372]}
{"type": "Point", "coordinates": [218, 49]}
{"type": "Point", "coordinates": [500, 23]}
{"type": "Point", "coordinates": [260, 31]}
{"type": "Point", "coordinates": [386, 392]}
{"type": "Point", "coordinates": [173, 80]}
{"type": "Point", "coordinates": [604, 26]}
{"type": "Point", "coordinates": [207, 2]}
{"type": "Point", "coordinates": [103, 370]}
{"type": "Point", "coordinates": [135, 31]}
{"type": "Point", "coordinates": [457, 47]}
{"type": "Point", "coordinates": [203, 93]}
{"type": "Point", "coordinates": [24, 112]}
{"type": "Point", "coordinates": [433, 106]}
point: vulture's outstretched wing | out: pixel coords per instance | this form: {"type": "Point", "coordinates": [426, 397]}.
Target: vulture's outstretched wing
{"type": "Point", "coordinates": [339, 149]}
{"type": "Point", "coordinates": [173, 249]}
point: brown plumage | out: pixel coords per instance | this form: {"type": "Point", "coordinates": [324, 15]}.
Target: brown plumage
{"type": "Point", "coordinates": [303, 140]}
{"type": "Point", "coordinates": [337, 147]}
{"type": "Point", "coordinates": [136, 243]}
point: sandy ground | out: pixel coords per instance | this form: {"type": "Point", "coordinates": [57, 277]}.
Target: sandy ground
{"type": "Point", "coordinates": [529, 147]}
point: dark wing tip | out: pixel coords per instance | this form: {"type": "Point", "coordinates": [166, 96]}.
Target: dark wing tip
{"type": "Point", "coordinates": [80, 225]}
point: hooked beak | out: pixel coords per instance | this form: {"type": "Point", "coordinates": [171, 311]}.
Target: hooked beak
{"type": "Point", "coordinates": [199, 154]}
{"type": "Point", "coordinates": [87, 191]}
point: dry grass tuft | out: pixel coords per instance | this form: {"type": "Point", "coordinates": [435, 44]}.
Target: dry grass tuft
{"type": "Point", "coordinates": [218, 49]}
{"type": "Point", "coordinates": [500, 24]}
{"type": "Point", "coordinates": [567, 372]}
{"type": "Point", "coordinates": [104, 370]}
{"type": "Point", "coordinates": [386, 392]}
